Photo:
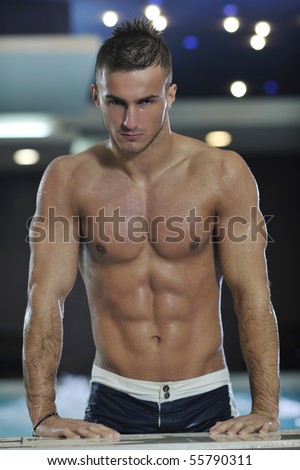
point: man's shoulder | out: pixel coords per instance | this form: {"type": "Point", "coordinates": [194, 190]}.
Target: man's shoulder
{"type": "Point", "coordinates": [222, 160]}
{"type": "Point", "coordinates": [76, 164]}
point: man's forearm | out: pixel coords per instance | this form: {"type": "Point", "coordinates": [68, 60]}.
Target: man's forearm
{"type": "Point", "coordinates": [260, 347]}
{"type": "Point", "coordinates": [41, 355]}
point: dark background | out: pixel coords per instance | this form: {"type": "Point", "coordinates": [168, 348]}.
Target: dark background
{"type": "Point", "coordinates": [202, 75]}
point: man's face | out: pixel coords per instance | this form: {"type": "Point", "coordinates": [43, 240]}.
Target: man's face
{"type": "Point", "coordinates": [134, 106]}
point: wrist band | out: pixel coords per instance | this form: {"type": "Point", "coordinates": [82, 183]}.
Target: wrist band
{"type": "Point", "coordinates": [34, 434]}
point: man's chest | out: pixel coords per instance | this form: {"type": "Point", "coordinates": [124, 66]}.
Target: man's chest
{"type": "Point", "coordinates": [174, 217]}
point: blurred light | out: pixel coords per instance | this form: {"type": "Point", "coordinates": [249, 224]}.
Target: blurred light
{"type": "Point", "coordinates": [160, 23]}
{"type": "Point", "coordinates": [79, 144]}
{"type": "Point", "coordinates": [271, 87]}
{"type": "Point", "coordinates": [238, 89]}
{"type": "Point", "coordinates": [230, 9]}
{"type": "Point", "coordinates": [26, 157]}
{"type": "Point", "coordinates": [262, 28]}
{"type": "Point", "coordinates": [15, 127]}
{"type": "Point", "coordinates": [110, 18]}
{"type": "Point", "coordinates": [257, 42]}
{"type": "Point", "coordinates": [190, 42]}
{"type": "Point", "coordinates": [231, 24]}
{"type": "Point", "coordinates": [218, 138]}
{"type": "Point", "coordinates": [152, 12]}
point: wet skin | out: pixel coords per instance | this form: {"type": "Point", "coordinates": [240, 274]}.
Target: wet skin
{"type": "Point", "coordinates": [141, 209]}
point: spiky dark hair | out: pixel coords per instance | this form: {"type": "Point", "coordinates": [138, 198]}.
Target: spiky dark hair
{"type": "Point", "coordinates": [134, 45]}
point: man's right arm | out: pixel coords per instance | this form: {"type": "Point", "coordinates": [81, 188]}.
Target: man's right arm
{"type": "Point", "coordinates": [53, 269]}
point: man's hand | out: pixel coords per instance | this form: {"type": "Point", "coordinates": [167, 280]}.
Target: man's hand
{"type": "Point", "coordinates": [73, 428]}
{"type": "Point", "coordinates": [253, 422]}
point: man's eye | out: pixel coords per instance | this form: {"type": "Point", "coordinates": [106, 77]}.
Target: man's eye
{"type": "Point", "coordinates": [147, 101]}
{"type": "Point", "coordinates": [116, 102]}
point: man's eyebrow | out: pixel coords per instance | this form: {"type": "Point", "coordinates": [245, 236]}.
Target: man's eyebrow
{"type": "Point", "coordinates": [149, 97]}
{"type": "Point", "coordinates": [113, 97]}
{"type": "Point", "coordinates": [121, 100]}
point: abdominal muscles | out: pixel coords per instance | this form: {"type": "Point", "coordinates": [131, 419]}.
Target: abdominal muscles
{"type": "Point", "coordinates": [155, 319]}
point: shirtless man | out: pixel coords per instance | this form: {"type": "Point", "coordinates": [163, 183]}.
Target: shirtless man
{"type": "Point", "coordinates": [155, 221]}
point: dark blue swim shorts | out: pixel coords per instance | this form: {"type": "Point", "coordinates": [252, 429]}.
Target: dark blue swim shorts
{"type": "Point", "coordinates": [130, 415]}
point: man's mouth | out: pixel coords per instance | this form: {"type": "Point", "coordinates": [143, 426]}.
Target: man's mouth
{"type": "Point", "coordinates": [131, 136]}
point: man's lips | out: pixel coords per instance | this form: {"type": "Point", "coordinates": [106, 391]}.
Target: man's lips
{"type": "Point", "coordinates": [131, 136]}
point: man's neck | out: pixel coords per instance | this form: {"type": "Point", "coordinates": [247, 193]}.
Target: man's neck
{"type": "Point", "coordinates": [142, 167]}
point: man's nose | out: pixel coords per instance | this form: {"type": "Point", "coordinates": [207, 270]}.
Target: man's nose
{"type": "Point", "coordinates": [130, 118]}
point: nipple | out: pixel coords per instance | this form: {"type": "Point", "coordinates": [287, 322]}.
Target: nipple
{"type": "Point", "coordinates": [100, 248]}
{"type": "Point", "coordinates": [194, 244]}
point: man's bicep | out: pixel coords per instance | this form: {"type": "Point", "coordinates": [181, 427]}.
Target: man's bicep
{"type": "Point", "coordinates": [242, 259]}
{"type": "Point", "coordinates": [54, 255]}
{"type": "Point", "coordinates": [241, 233]}
{"type": "Point", "coordinates": [54, 236]}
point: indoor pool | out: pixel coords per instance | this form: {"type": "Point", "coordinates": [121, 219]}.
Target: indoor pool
{"type": "Point", "coordinates": [73, 391]}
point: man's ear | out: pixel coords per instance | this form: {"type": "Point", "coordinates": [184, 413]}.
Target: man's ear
{"type": "Point", "coordinates": [95, 94]}
{"type": "Point", "coordinates": [171, 95]}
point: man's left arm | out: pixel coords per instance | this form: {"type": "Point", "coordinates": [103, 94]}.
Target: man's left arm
{"type": "Point", "coordinates": [241, 248]}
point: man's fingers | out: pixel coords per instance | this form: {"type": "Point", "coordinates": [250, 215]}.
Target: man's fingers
{"type": "Point", "coordinates": [67, 433]}
{"type": "Point", "coordinates": [221, 426]}
{"type": "Point", "coordinates": [267, 427]}
{"type": "Point", "coordinates": [74, 429]}
{"type": "Point", "coordinates": [245, 425]}
{"type": "Point", "coordinates": [99, 430]}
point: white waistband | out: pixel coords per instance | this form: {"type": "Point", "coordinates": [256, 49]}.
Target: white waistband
{"type": "Point", "coordinates": [161, 392]}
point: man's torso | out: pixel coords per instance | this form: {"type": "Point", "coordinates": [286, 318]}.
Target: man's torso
{"type": "Point", "coordinates": [150, 268]}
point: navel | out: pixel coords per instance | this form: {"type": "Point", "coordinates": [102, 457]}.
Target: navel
{"type": "Point", "coordinates": [156, 338]}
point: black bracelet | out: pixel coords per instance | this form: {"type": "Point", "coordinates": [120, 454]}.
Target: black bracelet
{"type": "Point", "coordinates": [34, 434]}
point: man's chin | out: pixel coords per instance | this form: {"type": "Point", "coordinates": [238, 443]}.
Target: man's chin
{"type": "Point", "coordinates": [136, 147]}
{"type": "Point", "coordinates": [132, 150]}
